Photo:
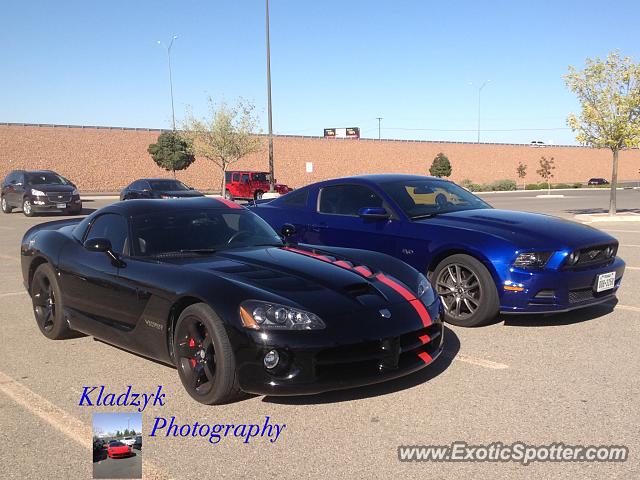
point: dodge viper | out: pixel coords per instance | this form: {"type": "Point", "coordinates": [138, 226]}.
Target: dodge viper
{"type": "Point", "coordinates": [208, 286]}
{"type": "Point", "coordinates": [480, 260]}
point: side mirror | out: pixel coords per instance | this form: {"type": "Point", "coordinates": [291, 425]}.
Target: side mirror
{"type": "Point", "coordinates": [98, 245]}
{"type": "Point", "coordinates": [287, 230]}
{"type": "Point", "coordinates": [374, 213]}
{"type": "Point", "coordinates": [104, 245]}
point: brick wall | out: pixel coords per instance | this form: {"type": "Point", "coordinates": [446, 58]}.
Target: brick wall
{"type": "Point", "coordinates": [105, 159]}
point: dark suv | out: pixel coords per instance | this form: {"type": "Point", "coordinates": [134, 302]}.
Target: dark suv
{"type": "Point", "coordinates": [39, 191]}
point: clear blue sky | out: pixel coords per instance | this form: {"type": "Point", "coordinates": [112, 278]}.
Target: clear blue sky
{"type": "Point", "coordinates": [105, 423]}
{"type": "Point", "coordinates": [334, 63]}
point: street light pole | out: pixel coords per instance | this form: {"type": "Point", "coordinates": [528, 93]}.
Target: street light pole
{"type": "Point", "coordinates": [479, 92]}
{"type": "Point", "coordinates": [379, 120]}
{"type": "Point", "coordinates": [272, 180]}
{"type": "Point", "coordinates": [173, 112]}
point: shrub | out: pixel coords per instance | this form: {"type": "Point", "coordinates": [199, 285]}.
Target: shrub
{"type": "Point", "coordinates": [534, 186]}
{"type": "Point", "coordinates": [577, 185]}
{"type": "Point", "coordinates": [502, 185]}
{"type": "Point", "coordinates": [561, 185]}
{"type": "Point", "coordinates": [441, 167]}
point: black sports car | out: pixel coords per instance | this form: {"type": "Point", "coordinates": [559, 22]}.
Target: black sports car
{"type": "Point", "coordinates": [158, 188]}
{"type": "Point", "coordinates": [208, 286]}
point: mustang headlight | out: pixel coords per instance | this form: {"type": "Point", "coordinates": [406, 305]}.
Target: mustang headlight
{"type": "Point", "coordinates": [532, 259]}
{"type": "Point", "coordinates": [37, 193]}
{"type": "Point", "coordinates": [425, 291]}
{"type": "Point", "coordinates": [259, 315]}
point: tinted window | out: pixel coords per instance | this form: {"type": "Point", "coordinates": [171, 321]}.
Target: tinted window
{"type": "Point", "coordinates": [425, 197]}
{"type": "Point", "coordinates": [112, 227]}
{"type": "Point", "coordinates": [191, 230]}
{"type": "Point", "coordinates": [260, 177]}
{"type": "Point", "coordinates": [245, 178]}
{"type": "Point", "coordinates": [236, 177]}
{"type": "Point", "coordinates": [347, 199]}
{"type": "Point", "coordinates": [295, 199]}
{"type": "Point", "coordinates": [45, 178]}
{"type": "Point", "coordinates": [227, 177]}
{"type": "Point", "coordinates": [167, 185]}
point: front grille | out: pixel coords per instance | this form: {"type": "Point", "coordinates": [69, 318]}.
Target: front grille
{"type": "Point", "coordinates": [592, 256]}
{"type": "Point", "coordinates": [580, 295]}
{"type": "Point", "coordinates": [378, 356]}
{"type": "Point", "coordinates": [59, 197]}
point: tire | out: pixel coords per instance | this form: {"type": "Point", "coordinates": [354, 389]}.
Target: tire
{"type": "Point", "coordinates": [46, 298]}
{"type": "Point", "coordinates": [471, 302]}
{"type": "Point", "coordinates": [227, 195]}
{"type": "Point", "coordinates": [5, 206]}
{"type": "Point", "coordinates": [258, 195]}
{"type": "Point", "coordinates": [200, 342]}
{"type": "Point", "coordinates": [27, 208]}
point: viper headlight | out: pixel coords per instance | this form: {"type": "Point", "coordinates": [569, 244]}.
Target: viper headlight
{"type": "Point", "coordinates": [425, 291]}
{"type": "Point", "coordinates": [259, 315]}
{"type": "Point", "coordinates": [37, 193]}
{"type": "Point", "coordinates": [532, 259]}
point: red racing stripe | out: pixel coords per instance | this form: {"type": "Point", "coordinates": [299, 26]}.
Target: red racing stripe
{"type": "Point", "coordinates": [364, 271]}
{"type": "Point", "coordinates": [324, 258]}
{"type": "Point", "coordinates": [425, 357]}
{"type": "Point", "coordinates": [343, 264]}
{"type": "Point", "coordinates": [407, 295]}
{"type": "Point", "coordinates": [424, 339]}
{"type": "Point", "coordinates": [228, 203]}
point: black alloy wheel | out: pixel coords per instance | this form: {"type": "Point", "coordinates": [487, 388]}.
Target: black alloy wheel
{"type": "Point", "coordinates": [47, 304]}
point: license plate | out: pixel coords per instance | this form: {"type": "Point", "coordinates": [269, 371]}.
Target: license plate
{"type": "Point", "coordinates": [61, 205]}
{"type": "Point", "coordinates": [606, 281]}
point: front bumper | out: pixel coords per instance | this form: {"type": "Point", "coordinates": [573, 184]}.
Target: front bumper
{"type": "Point", "coordinates": [48, 203]}
{"type": "Point", "coordinates": [340, 363]}
{"type": "Point", "coordinates": [555, 291]}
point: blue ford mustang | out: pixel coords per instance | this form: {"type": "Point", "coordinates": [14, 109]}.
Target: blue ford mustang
{"type": "Point", "coordinates": [481, 260]}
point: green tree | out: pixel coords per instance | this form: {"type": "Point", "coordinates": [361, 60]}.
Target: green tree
{"type": "Point", "coordinates": [118, 434]}
{"type": "Point", "coordinates": [441, 167]}
{"type": "Point", "coordinates": [126, 432]}
{"type": "Point", "coordinates": [521, 170]}
{"type": "Point", "coordinates": [546, 171]}
{"type": "Point", "coordinates": [171, 152]}
{"type": "Point", "coordinates": [225, 135]}
{"type": "Point", "coordinates": [609, 94]}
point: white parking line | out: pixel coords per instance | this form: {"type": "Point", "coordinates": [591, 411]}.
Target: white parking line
{"type": "Point", "coordinates": [481, 362]}
{"type": "Point", "coordinates": [6, 228]}
{"type": "Point", "coordinates": [59, 419]}
{"type": "Point", "coordinates": [632, 268]}
{"type": "Point", "coordinates": [627, 307]}
{"type": "Point", "coordinates": [628, 245]}
{"type": "Point", "coordinates": [619, 231]}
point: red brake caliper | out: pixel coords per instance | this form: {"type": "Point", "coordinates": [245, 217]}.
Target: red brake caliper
{"type": "Point", "coordinates": [192, 344]}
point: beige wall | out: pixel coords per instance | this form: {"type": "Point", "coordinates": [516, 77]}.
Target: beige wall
{"type": "Point", "coordinates": [104, 159]}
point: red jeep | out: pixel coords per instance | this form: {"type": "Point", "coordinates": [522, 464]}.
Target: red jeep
{"type": "Point", "coordinates": [250, 185]}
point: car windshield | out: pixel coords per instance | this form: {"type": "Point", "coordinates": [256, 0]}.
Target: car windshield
{"type": "Point", "coordinates": [167, 185]}
{"type": "Point", "coordinates": [195, 232]}
{"type": "Point", "coordinates": [45, 178]}
{"type": "Point", "coordinates": [423, 198]}
{"type": "Point", "coordinates": [116, 444]}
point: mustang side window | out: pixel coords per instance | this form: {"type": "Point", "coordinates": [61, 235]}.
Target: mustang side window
{"type": "Point", "coordinates": [347, 199]}
{"type": "Point", "coordinates": [113, 227]}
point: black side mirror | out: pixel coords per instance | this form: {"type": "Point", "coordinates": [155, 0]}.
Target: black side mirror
{"type": "Point", "coordinates": [374, 213]}
{"type": "Point", "coordinates": [103, 245]}
{"type": "Point", "coordinates": [287, 230]}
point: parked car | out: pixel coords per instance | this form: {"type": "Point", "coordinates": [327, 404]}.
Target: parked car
{"type": "Point", "coordinates": [128, 441]}
{"type": "Point", "coordinates": [537, 143]}
{"type": "Point", "coordinates": [158, 188]}
{"type": "Point", "coordinates": [597, 181]}
{"type": "Point", "coordinates": [138, 443]}
{"type": "Point", "coordinates": [206, 285]}
{"type": "Point", "coordinates": [118, 449]}
{"type": "Point", "coordinates": [36, 191]}
{"type": "Point", "coordinates": [481, 260]}
{"type": "Point", "coordinates": [250, 185]}
{"type": "Point", "coordinates": [98, 446]}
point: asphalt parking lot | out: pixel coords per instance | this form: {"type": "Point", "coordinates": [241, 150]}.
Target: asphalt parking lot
{"type": "Point", "coordinates": [128, 467]}
{"type": "Point", "coordinates": [571, 378]}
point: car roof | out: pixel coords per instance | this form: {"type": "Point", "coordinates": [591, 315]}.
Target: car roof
{"type": "Point", "coordinates": [384, 178]}
{"type": "Point", "coordinates": [155, 179]}
{"type": "Point", "coordinates": [147, 206]}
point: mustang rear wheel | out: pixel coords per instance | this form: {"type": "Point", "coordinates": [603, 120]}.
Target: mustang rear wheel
{"type": "Point", "coordinates": [204, 357]}
{"type": "Point", "coordinates": [467, 291]}
{"type": "Point", "coordinates": [47, 304]}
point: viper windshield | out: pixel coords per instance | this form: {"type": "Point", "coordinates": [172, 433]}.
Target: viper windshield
{"type": "Point", "coordinates": [423, 198]}
{"type": "Point", "coordinates": [197, 232]}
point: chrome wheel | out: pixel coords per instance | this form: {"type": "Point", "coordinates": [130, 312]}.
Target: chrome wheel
{"type": "Point", "coordinates": [26, 207]}
{"type": "Point", "coordinates": [460, 290]}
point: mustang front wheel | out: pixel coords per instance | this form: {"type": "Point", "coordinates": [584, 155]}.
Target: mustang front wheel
{"type": "Point", "coordinates": [47, 304]}
{"type": "Point", "coordinates": [467, 291]}
{"type": "Point", "coordinates": [204, 356]}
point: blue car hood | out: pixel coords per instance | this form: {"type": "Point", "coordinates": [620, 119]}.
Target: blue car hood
{"type": "Point", "coordinates": [522, 229]}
